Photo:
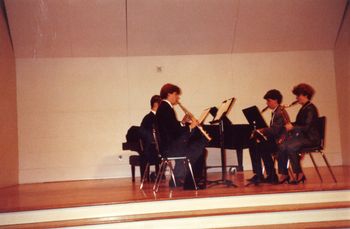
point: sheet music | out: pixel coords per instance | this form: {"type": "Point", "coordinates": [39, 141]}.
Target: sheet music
{"type": "Point", "coordinates": [223, 108]}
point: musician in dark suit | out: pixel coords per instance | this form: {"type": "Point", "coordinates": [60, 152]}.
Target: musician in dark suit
{"type": "Point", "coordinates": [265, 148]}
{"type": "Point", "coordinates": [303, 133]}
{"type": "Point", "coordinates": [178, 138]}
{"type": "Point", "coordinates": [146, 131]}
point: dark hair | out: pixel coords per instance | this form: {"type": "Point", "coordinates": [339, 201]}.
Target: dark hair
{"type": "Point", "coordinates": [304, 89]}
{"type": "Point", "coordinates": [155, 99]}
{"type": "Point", "coordinates": [169, 89]}
{"type": "Point", "coordinates": [274, 94]}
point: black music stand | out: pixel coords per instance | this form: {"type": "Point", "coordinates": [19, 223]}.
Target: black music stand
{"type": "Point", "coordinates": [225, 107]}
{"type": "Point", "coordinates": [254, 117]}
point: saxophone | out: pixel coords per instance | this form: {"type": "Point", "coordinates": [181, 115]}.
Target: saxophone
{"type": "Point", "coordinates": [285, 135]}
{"type": "Point", "coordinates": [191, 116]}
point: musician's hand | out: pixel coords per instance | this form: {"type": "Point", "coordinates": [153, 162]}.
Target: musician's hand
{"type": "Point", "coordinates": [288, 126]}
{"type": "Point", "coordinates": [193, 124]}
{"type": "Point", "coordinates": [186, 119]}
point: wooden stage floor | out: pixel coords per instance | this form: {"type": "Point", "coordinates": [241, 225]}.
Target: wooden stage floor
{"type": "Point", "coordinates": [112, 191]}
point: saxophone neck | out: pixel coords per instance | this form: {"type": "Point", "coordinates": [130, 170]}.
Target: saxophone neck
{"type": "Point", "coordinates": [184, 109]}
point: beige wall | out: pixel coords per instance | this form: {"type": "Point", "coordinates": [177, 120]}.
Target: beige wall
{"type": "Point", "coordinates": [342, 69]}
{"type": "Point", "coordinates": [73, 113]}
{"type": "Point", "coordinates": [8, 117]}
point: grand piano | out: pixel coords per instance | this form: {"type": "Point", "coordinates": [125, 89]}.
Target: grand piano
{"type": "Point", "coordinates": [236, 137]}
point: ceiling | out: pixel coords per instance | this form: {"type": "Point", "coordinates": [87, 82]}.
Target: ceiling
{"type": "Point", "coordinates": [109, 28]}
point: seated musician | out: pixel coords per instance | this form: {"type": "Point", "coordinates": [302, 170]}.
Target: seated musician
{"type": "Point", "coordinates": [263, 149]}
{"type": "Point", "coordinates": [304, 133]}
{"type": "Point", "coordinates": [179, 138]}
{"type": "Point", "coordinates": [150, 154]}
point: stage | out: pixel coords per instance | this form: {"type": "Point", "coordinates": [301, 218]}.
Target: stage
{"type": "Point", "coordinates": [121, 201]}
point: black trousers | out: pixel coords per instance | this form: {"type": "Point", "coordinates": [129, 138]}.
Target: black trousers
{"type": "Point", "coordinates": [290, 149]}
{"type": "Point", "coordinates": [264, 151]}
{"type": "Point", "coordinates": [192, 145]}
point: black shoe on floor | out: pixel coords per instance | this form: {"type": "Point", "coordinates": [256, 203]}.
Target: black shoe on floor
{"type": "Point", "coordinates": [200, 186]}
{"type": "Point", "coordinates": [256, 178]}
{"type": "Point", "coordinates": [153, 176]}
{"type": "Point", "coordinates": [272, 179]}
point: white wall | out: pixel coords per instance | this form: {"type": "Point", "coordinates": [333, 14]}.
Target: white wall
{"type": "Point", "coordinates": [73, 113]}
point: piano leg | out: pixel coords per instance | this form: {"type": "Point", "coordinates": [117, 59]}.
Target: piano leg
{"type": "Point", "coordinates": [239, 159]}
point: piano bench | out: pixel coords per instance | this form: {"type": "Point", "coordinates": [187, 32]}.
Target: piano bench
{"type": "Point", "coordinates": [134, 160]}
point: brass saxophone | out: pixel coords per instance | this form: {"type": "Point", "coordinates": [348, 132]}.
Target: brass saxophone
{"type": "Point", "coordinates": [191, 116]}
{"type": "Point", "coordinates": [286, 120]}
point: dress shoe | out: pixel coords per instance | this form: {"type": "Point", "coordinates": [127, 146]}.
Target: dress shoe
{"type": "Point", "coordinates": [189, 185]}
{"type": "Point", "coordinates": [297, 181]}
{"type": "Point", "coordinates": [153, 176]}
{"type": "Point", "coordinates": [272, 179]}
{"type": "Point", "coordinates": [286, 179]}
{"type": "Point", "coordinates": [256, 180]}
{"type": "Point", "coordinates": [200, 186]}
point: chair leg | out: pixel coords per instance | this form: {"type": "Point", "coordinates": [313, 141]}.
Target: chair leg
{"type": "Point", "coordinates": [290, 170]}
{"type": "Point", "coordinates": [191, 171]}
{"type": "Point", "coordinates": [172, 173]}
{"type": "Point", "coordinates": [158, 175]}
{"type": "Point", "coordinates": [145, 172]}
{"type": "Point", "coordinates": [313, 161]}
{"type": "Point", "coordinates": [133, 173]}
{"type": "Point", "coordinates": [162, 168]}
{"type": "Point", "coordinates": [263, 167]}
{"type": "Point", "coordinates": [329, 167]}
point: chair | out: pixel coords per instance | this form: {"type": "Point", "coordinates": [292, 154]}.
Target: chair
{"type": "Point", "coordinates": [321, 124]}
{"type": "Point", "coordinates": [167, 162]}
{"type": "Point", "coordinates": [153, 160]}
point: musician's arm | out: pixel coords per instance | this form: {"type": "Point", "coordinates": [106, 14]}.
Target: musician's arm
{"type": "Point", "coordinates": [275, 129]}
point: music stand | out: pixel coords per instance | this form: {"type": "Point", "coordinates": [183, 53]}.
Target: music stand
{"type": "Point", "coordinates": [224, 108]}
{"type": "Point", "coordinates": [254, 117]}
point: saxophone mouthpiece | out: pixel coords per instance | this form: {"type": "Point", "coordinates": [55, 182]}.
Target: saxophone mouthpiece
{"type": "Point", "coordinates": [263, 110]}
{"type": "Point", "coordinates": [293, 103]}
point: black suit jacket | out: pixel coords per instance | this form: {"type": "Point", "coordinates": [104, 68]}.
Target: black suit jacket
{"type": "Point", "coordinates": [306, 123]}
{"type": "Point", "coordinates": [169, 128]}
{"type": "Point", "coordinates": [276, 128]}
{"type": "Point", "coordinates": [148, 121]}
{"type": "Point", "coordinates": [146, 133]}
